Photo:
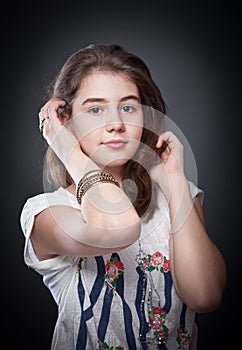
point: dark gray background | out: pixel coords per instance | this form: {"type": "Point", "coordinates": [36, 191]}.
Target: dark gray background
{"type": "Point", "coordinates": [193, 51]}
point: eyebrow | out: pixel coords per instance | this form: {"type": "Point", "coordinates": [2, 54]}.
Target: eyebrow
{"type": "Point", "coordinates": [103, 100]}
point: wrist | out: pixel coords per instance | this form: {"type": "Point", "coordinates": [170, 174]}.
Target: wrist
{"type": "Point", "coordinates": [93, 178]}
{"type": "Point", "coordinates": [78, 164]}
{"type": "Point", "coordinates": [180, 202]}
{"type": "Point", "coordinates": [172, 185]}
{"type": "Point", "coordinates": [177, 181]}
{"type": "Point", "coordinates": [178, 188]}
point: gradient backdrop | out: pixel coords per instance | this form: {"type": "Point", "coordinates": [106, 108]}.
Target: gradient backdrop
{"type": "Point", "coordinates": [194, 54]}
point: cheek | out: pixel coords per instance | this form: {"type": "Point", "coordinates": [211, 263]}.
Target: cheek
{"type": "Point", "coordinates": [84, 129]}
{"type": "Point", "coordinates": [138, 127]}
{"type": "Point", "coordinates": [135, 138]}
{"type": "Point", "coordinates": [137, 132]}
{"type": "Point", "coordinates": [89, 142]}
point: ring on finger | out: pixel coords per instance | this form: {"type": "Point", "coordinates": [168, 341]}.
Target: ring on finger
{"type": "Point", "coordinates": [42, 123]}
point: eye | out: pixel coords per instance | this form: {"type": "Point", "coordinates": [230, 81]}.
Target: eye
{"type": "Point", "coordinates": [128, 109]}
{"type": "Point", "coordinates": [95, 110]}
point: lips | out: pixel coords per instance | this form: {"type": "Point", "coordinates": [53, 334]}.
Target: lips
{"type": "Point", "coordinates": [115, 143]}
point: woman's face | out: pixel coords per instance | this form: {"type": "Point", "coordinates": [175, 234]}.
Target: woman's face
{"type": "Point", "coordinates": [107, 118]}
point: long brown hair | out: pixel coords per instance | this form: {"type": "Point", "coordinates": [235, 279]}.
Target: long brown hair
{"type": "Point", "coordinates": [115, 59]}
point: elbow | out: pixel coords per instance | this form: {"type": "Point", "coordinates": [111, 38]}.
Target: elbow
{"type": "Point", "coordinates": [205, 302]}
{"type": "Point", "coordinates": [208, 305]}
{"type": "Point", "coordinates": [207, 296]}
{"type": "Point", "coordinates": [210, 297]}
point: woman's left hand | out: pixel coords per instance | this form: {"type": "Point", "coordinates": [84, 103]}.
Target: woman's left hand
{"type": "Point", "coordinates": [171, 166]}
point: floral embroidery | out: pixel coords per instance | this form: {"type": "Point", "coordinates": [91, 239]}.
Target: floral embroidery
{"type": "Point", "coordinates": [157, 318]}
{"type": "Point", "coordinates": [151, 262]}
{"type": "Point", "coordinates": [105, 346]}
{"type": "Point", "coordinates": [114, 268]}
{"type": "Point", "coordinates": [183, 338]}
{"type": "Point", "coordinates": [156, 261]}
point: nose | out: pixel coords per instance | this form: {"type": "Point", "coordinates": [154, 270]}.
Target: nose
{"type": "Point", "coordinates": [114, 121]}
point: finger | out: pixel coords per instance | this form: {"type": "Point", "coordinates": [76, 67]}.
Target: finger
{"type": "Point", "coordinates": [42, 123]}
{"type": "Point", "coordinates": [54, 106]}
{"type": "Point", "coordinates": [167, 138]}
{"type": "Point", "coordinates": [43, 120]}
{"type": "Point", "coordinates": [50, 111]}
{"type": "Point", "coordinates": [51, 106]}
{"type": "Point", "coordinates": [163, 147]}
{"type": "Point", "coordinates": [163, 141]}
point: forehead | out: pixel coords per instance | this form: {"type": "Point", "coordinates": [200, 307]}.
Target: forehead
{"type": "Point", "coordinates": [102, 84]}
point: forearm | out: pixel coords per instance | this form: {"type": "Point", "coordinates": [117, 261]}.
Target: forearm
{"type": "Point", "coordinates": [106, 207]}
{"type": "Point", "coordinates": [108, 221]}
{"type": "Point", "coordinates": [197, 266]}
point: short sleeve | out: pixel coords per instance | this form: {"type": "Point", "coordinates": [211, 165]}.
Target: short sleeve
{"type": "Point", "coordinates": [32, 207]}
{"type": "Point", "coordinates": [55, 269]}
{"type": "Point", "coordinates": [196, 191]}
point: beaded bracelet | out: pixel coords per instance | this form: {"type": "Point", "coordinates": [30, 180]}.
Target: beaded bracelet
{"type": "Point", "coordinates": [91, 178]}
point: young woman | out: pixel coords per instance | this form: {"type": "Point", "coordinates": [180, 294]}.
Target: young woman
{"type": "Point", "coordinates": [122, 242]}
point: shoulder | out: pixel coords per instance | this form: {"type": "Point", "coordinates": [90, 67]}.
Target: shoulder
{"type": "Point", "coordinates": [194, 189]}
{"type": "Point", "coordinates": [58, 197]}
{"type": "Point", "coordinates": [37, 203]}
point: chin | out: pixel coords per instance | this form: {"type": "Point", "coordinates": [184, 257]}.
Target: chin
{"type": "Point", "coordinates": [115, 163]}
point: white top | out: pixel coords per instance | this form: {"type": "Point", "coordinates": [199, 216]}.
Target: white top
{"type": "Point", "coordinates": [103, 301]}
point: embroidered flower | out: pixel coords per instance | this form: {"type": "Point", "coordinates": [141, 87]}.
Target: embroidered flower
{"type": "Point", "coordinates": [114, 268]}
{"type": "Point", "coordinates": [156, 261]}
{"type": "Point", "coordinates": [157, 318]}
{"type": "Point", "coordinates": [166, 265]}
{"type": "Point", "coordinates": [105, 346]}
{"type": "Point", "coordinates": [183, 338]}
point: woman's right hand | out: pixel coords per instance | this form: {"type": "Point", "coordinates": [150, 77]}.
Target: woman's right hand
{"type": "Point", "coordinates": [61, 139]}
{"type": "Point", "coordinates": [55, 130]}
